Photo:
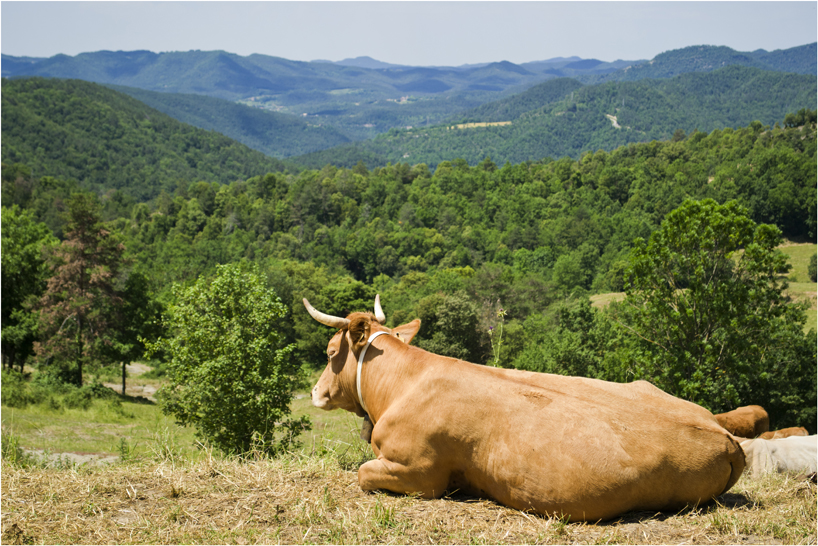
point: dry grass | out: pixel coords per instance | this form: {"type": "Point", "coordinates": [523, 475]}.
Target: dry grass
{"type": "Point", "coordinates": [303, 500]}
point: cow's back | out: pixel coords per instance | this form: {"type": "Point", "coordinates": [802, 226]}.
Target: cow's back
{"type": "Point", "coordinates": [784, 433]}
{"type": "Point", "coordinates": [745, 422]}
{"type": "Point", "coordinates": [549, 442]}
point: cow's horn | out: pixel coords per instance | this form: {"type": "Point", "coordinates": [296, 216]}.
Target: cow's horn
{"type": "Point", "coordinates": [379, 315]}
{"type": "Point", "coordinates": [326, 320]}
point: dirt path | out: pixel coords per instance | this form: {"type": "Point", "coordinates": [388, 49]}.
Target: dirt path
{"type": "Point", "coordinates": [133, 387]}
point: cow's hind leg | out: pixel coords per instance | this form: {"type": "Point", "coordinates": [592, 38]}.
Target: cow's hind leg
{"type": "Point", "coordinates": [385, 474]}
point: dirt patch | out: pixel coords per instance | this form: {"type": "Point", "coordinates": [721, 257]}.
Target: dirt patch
{"type": "Point", "coordinates": [72, 457]}
{"type": "Point", "coordinates": [132, 386]}
{"type": "Point", "coordinates": [134, 389]}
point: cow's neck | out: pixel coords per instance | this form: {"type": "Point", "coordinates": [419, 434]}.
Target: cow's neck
{"type": "Point", "coordinates": [386, 371]}
{"type": "Point", "coordinates": [359, 368]}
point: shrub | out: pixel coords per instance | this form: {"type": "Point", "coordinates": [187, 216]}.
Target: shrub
{"type": "Point", "coordinates": [813, 276]}
{"type": "Point", "coordinates": [79, 399]}
{"type": "Point", "coordinates": [229, 374]}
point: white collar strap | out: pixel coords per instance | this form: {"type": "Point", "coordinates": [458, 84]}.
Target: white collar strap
{"type": "Point", "coordinates": [360, 364]}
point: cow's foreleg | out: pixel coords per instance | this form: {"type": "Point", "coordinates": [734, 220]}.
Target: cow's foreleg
{"type": "Point", "coordinates": [385, 474]}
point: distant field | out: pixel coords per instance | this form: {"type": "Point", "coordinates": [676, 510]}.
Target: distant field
{"type": "Point", "coordinates": [801, 288]}
{"type": "Point", "coordinates": [100, 429]}
{"type": "Point", "coordinates": [484, 124]}
{"type": "Point", "coordinates": [799, 259]}
{"type": "Point", "coordinates": [602, 300]}
{"type": "Point", "coordinates": [103, 427]}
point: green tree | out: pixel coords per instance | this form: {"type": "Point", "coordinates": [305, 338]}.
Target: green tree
{"type": "Point", "coordinates": [77, 310]}
{"type": "Point", "coordinates": [137, 318]}
{"type": "Point", "coordinates": [449, 326]}
{"type": "Point", "coordinates": [709, 316]}
{"type": "Point", "coordinates": [565, 343]}
{"type": "Point", "coordinates": [229, 374]}
{"type": "Point", "coordinates": [24, 273]}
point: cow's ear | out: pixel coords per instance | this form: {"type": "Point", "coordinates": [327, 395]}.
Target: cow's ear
{"type": "Point", "coordinates": [359, 328]}
{"type": "Point", "coordinates": [406, 332]}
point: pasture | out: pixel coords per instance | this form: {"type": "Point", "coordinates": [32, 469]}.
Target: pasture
{"type": "Point", "coordinates": [166, 490]}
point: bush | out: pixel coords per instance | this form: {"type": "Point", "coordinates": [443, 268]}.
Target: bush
{"type": "Point", "coordinates": [229, 374]}
{"type": "Point", "coordinates": [16, 393]}
{"type": "Point", "coordinates": [813, 276]}
{"type": "Point", "coordinates": [81, 398]}
{"type": "Point", "coordinates": [50, 391]}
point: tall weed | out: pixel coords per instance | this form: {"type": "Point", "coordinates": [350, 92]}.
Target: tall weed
{"type": "Point", "coordinates": [12, 453]}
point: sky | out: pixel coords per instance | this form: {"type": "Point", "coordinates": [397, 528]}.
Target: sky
{"type": "Point", "coordinates": [418, 33]}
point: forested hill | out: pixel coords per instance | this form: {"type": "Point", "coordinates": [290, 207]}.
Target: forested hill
{"type": "Point", "coordinates": [107, 140]}
{"type": "Point", "coordinates": [560, 118]}
{"type": "Point", "coordinates": [563, 223]}
{"type": "Point", "coordinates": [276, 135]}
{"type": "Point", "coordinates": [798, 60]}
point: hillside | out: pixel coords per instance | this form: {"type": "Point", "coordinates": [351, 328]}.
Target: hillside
{"type": "Point", "coordinates": [274, 134]}
{"type": "Point", "coordinates": [706, 58]}
{"type": "Point", "coordinates": [399, 220]}
{"type": "Point", "coordinates": [106, 140]}
{"type": "Point", "coordinates": [560, 118]}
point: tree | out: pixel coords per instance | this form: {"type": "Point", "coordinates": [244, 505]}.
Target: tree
{"type": "Point", "coordinates": [24, 274]}
{"type": "Point", "coordinates": [709, 317]}
{"type": "Point", "coordinates": [138, 317]}
{"type": "Point", "coordinates": [78, 307]}
{"type": "Point", "coordinates": [229, 374]}
{"type": "Point", "coordinates": [449, 326]}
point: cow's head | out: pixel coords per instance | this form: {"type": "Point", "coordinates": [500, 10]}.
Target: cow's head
{"type": "Point", "coordinates": [336, 388]}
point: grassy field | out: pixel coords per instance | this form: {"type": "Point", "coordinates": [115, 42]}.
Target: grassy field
{"type": "Point", "coordinates": [168, 491]}
{"type": "Point", "coordinates": [480, 124]}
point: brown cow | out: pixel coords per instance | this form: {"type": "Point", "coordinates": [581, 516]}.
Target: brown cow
{"type": "Point", "coordinates": [746, 421]}
{"type": "Point", "coordinates": [567, 446]}
{"type": "Point", "coordinates": [784, 433]}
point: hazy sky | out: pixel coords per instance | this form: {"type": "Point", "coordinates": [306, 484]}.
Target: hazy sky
{"type": "Point", "coordinates": [413, 33]}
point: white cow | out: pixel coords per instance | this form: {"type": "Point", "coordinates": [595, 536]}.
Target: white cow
{"type": "Point", "coordinates": [793, 454]}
